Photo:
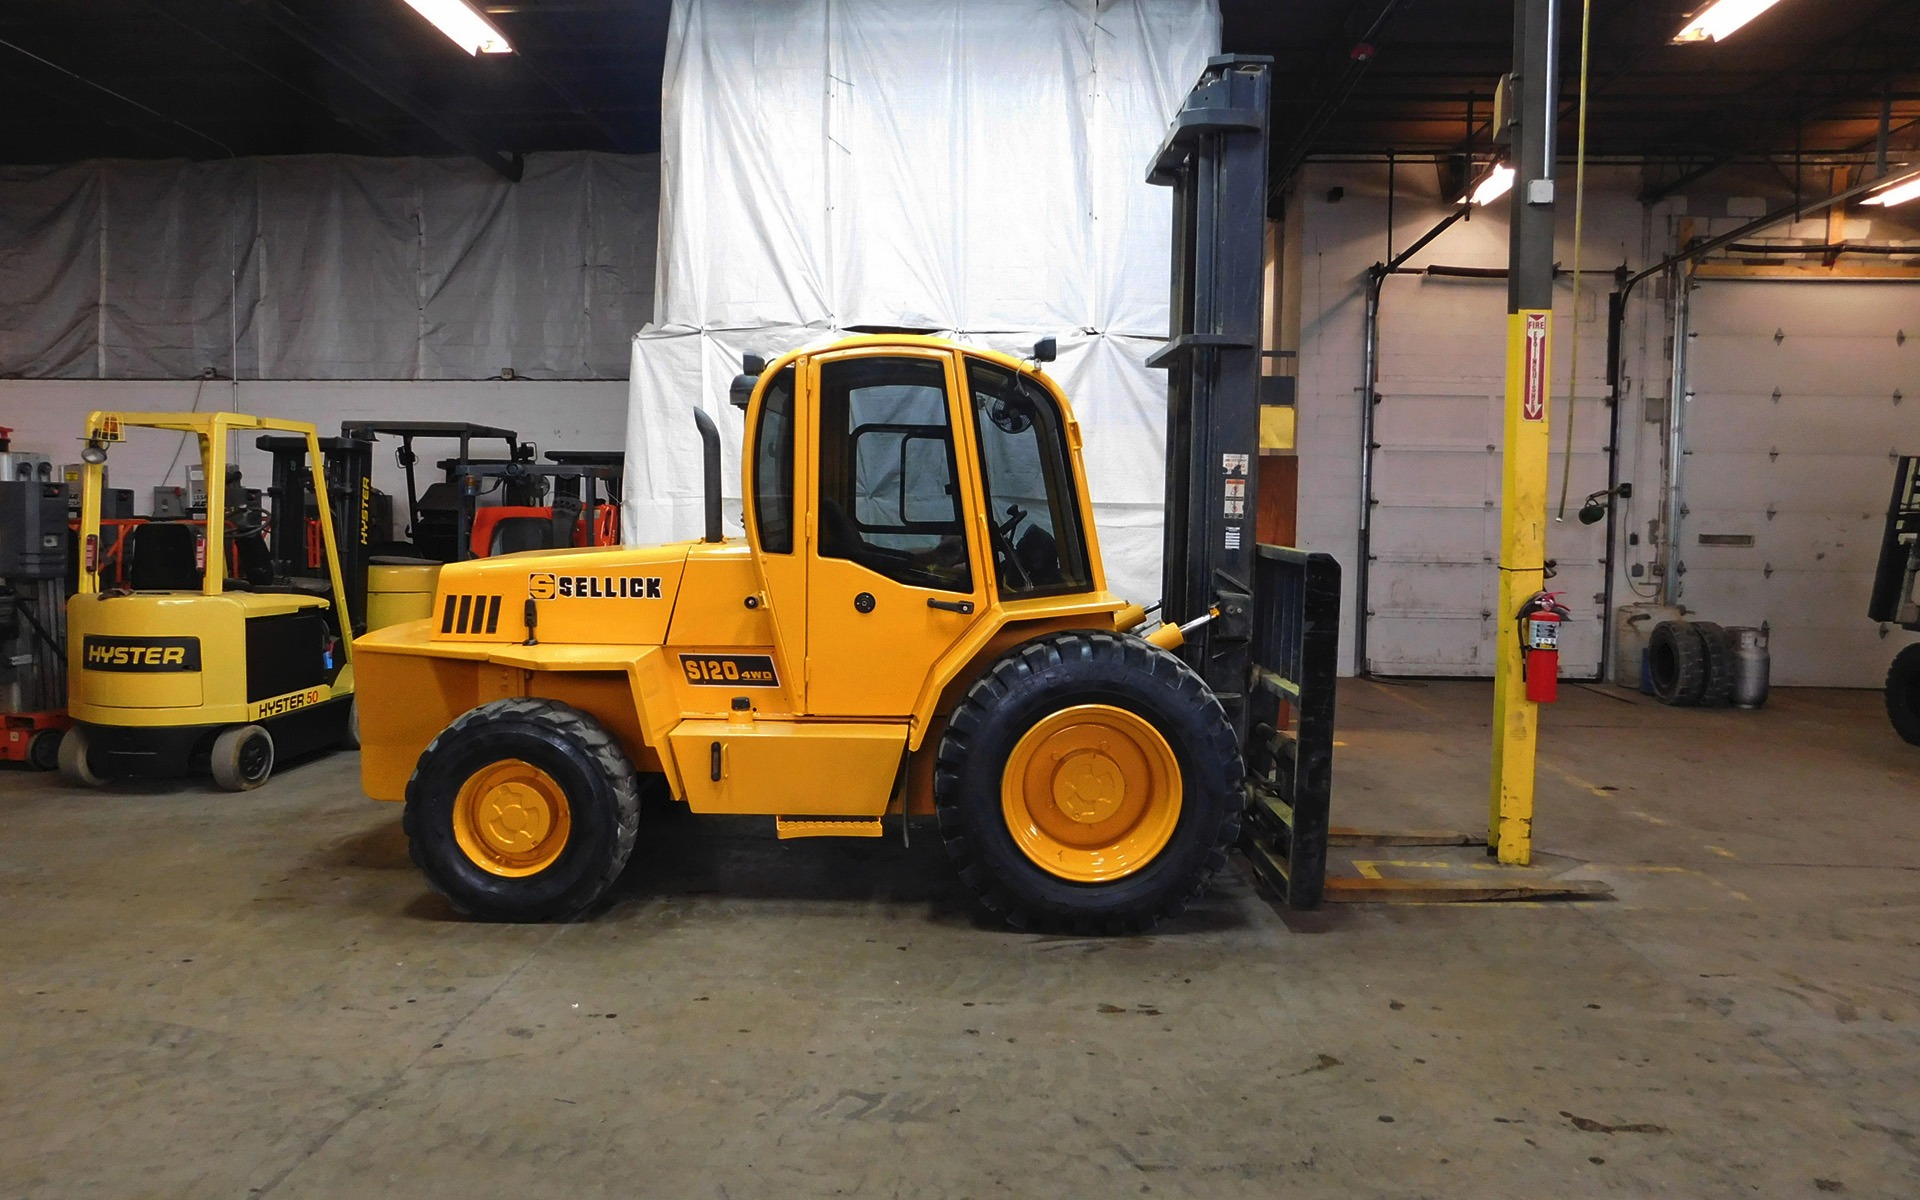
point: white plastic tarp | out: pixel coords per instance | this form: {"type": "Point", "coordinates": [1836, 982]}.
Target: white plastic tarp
{"type": "Point", "coordinates": [973, 168]}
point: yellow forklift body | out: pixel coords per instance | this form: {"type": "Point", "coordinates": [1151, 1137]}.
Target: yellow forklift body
{"type": "Point", "coordinates": [158, 659]}
{"type": "Point", "coordinates": [788, 684]}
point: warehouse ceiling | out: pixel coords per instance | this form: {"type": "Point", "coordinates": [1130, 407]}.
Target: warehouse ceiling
{"type": "Point", "coordinates": [210, 78]}
{"type": "Point", "coordinates": [1809, 78]}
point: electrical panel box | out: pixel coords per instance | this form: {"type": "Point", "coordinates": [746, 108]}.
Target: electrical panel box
{"type": "Point", "coordinates": [169, 503]}
{"type": "Point", "coordinates": [33, 529]}
{"type": "Point", "coordinates": [20, 464]}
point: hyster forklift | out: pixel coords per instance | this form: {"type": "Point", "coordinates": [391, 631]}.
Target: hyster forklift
{"type": "Point", "coordinates": [917, 620]}
{"type": "Point", "coordinates": [225, 647]}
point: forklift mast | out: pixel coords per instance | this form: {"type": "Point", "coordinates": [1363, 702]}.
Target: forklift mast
{"type": "Point", "coordinates": [1896, 581]}
{"type": "Point", "coordinates": [1269, 650]}
{"type": "Point", "coordinates": [349, 475]}
{"type": "Point", "coordinates": [1214, 158]}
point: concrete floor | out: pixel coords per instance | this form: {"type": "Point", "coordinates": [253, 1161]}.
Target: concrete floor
{"type": "Point", "coordinates": [210, 995]}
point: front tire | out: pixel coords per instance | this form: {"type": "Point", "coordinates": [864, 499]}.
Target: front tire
{"type": "Point", "coordinates": [1089, 783]}
{"type": "Point", "coordinates": [242, 758]}
{"type": "Point", "coordinates": [522, 810]}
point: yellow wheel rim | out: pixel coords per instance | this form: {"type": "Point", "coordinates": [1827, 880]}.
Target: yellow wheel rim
{"type": "Point", "coordinates": [1092, 793]}
{"type": "Point", "coordinates": [511, 818]}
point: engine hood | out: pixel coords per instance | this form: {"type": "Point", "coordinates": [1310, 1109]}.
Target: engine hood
{"type": "Point", "coordinates": [620, 595]}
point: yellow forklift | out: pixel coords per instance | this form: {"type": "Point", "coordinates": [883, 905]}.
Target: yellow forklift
{"type": "Point", "coordinates": [223, 644]}
{"type": "Point", "coordinates": [916, 621]}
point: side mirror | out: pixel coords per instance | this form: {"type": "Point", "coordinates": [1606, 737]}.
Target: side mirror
{"type": "Point", "coordinates": [1045, 349]}
{"type": "Point", "coordinates": [742, 390]}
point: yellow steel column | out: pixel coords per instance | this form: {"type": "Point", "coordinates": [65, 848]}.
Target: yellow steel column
{"type": "Point", "coordinates": [1523, 475]}
{"type": "Point", "coordinates": [1523, 521]}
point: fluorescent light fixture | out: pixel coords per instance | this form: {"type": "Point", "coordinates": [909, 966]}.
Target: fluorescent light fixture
{"type": "Point", "coordinates": [1897, 193]}
{"type": "Point", "coordinates": [463, 23]}
{"type": "Point", "coordinates": [1717, 21]}
{"type": "Point", "coordinates": [1493, 185]}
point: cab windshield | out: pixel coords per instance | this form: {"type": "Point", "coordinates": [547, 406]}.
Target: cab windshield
{"type": "Point", "coordinates": [1033, 508]}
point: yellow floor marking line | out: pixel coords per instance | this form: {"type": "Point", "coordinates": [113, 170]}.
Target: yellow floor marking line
{"type": "Point", "coordinates": [1400, 695]}
{"type": "Point", "coordinates": [1648, 817]}
{"type": "Point", "coordinates": [1659, 869]}
{"type": "Point", "coordinates": [1578, 782]}
{"type": "Point", "coordinates": [1723, 852]}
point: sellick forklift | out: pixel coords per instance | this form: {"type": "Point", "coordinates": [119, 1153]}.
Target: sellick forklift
{"type": "Point", "coordinates": [917, 620]}
{"type": "Point", "coordinates": [1896, 595]}
{"type": "Point", "coordinates": [225, 646]}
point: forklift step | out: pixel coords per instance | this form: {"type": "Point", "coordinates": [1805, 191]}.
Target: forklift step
{"type": "Point", "coordinates": [799, 827]}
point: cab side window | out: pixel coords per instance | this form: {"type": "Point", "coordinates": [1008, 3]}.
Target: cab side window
{"type": "Point", "coordinates": [889, 497]}
{"type": "Point", "coordinates": [773, 466]}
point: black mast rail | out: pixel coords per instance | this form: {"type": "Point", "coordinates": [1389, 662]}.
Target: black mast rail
{"type": "Point", "coordinates": [1269, 652]}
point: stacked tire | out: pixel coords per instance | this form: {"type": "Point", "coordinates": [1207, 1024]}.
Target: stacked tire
{"type": "Point", "coordinates": [1691, 664]}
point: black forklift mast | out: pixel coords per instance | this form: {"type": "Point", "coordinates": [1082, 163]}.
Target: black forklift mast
{"type": "Point", "coordinates": [1269, 651]}
{"type": "Point", "coordinates": [348, 470]}
{"type": "Point", "coordinates": [1894, 599]}
{"type": "Point", "coordinates": [1215, 160]}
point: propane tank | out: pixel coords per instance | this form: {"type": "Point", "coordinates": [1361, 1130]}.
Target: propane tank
{"type": "Point", "coordinates": [1752, 665]}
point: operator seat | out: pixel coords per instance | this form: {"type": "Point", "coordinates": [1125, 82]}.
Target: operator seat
{"type": "Point", "coordinates": [160, 558]}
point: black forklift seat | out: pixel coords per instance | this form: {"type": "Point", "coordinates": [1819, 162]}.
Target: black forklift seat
{"type": "Point", "coordinates": [160, 558]}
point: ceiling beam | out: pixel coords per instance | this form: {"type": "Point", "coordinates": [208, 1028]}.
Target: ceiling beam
{"type": "Point", "coordinates": [1359, 58]}
{"type": "Point", "coordinates": [509, 166]}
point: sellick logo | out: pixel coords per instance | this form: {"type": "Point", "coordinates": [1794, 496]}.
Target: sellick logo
{"type": "Point", "coordinates": [543, 585]}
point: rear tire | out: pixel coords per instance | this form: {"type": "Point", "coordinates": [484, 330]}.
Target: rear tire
{"type": "Point", "coordinates": [1718, 647]}
{"type": "Point", "coordinates": [1677, 658]}
{"type": "Point", "coordinates": [522, 810]}
{"type": "Point", "coordinates": [1903, 693]}
{"type": "Point", "coordinates": [74, 767]}
{"type": "Point", "coordinates": [43, 750]}
{"type": "Point", "coordinates": [1122, 732]}
{"type": "Point", "coordinates": [242, 758]}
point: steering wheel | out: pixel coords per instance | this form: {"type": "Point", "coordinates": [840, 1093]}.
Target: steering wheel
{"type": "Point", "coordinates": [246, 520]}
{"type": "Point", "coordinates": [1003, 544]}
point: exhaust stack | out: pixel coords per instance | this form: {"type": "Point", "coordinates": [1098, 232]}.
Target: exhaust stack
{"type": "Point", "coordinates": [710, 462]}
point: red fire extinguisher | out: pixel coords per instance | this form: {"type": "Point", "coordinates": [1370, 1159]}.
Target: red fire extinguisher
{"type": "Point", "coordinates": [1540, 619]}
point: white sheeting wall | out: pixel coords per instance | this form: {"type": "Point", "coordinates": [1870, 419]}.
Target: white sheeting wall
{"type": "Point", "coordinates": [326, 267]}
{"type": "Point", "coordinates": [968, 167]}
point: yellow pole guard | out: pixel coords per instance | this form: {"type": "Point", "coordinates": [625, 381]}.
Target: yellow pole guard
{"type": "Point", "coordinates": [1523, 528]}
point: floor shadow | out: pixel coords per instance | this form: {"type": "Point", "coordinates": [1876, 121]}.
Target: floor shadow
{"type": "Point", "coordinates": [380, 848]}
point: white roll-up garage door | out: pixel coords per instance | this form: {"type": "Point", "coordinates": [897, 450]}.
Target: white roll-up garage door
{"type": "Point", "coordinates": [1438, 429]}
{"type": "Point", "coordinates": [1801, 393]}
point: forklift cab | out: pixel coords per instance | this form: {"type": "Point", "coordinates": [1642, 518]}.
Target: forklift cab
{"type": "Point", "coordinates": [432, 529]}
{"type": "Point", "coordinates": [898, 490]}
